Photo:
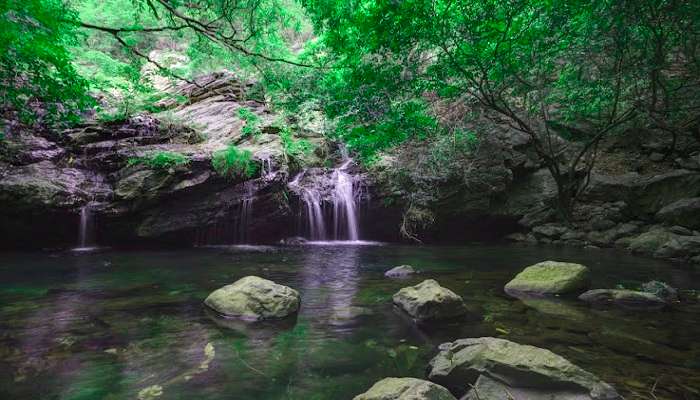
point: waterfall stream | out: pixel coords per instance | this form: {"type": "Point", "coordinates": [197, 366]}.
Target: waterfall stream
{"type": "Point", "coordinates": [329, 202]}
{"type": "Point", "coordinates": [86, 232]}
{"type": "Point", "coordinates": [344, 211]}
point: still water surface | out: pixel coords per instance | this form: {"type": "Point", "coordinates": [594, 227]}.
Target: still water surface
{"type": "Point", "coordinates": [131, 325]}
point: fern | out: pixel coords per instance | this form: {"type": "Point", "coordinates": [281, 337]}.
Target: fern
{"type": "Point", "coordinates": [233, 162]}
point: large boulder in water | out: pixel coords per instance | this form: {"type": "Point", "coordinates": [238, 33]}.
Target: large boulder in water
{"type": "Point", "coordinates": [405, 389]}
{"type": "Point", "coordinates": [629, 299]}
{"type": "Point", "coordinates": [254, 298]}
{"type": "Point", "coordinates": [428, 301]}
{"type": "Point", "coordinates": [550, 277]}
{"type": "Point", "coordinates": [461, 363]}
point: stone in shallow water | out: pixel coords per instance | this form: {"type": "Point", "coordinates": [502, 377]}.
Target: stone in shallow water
{"type": "Point", "coordinates": [254, 298]}
{"type": "Point", "coordinates": [491, 389]}
{"type": "Point", "coordinates": [629, 299]}
{"type": "Point", "coordinates": [428, 301]}
{"type": "Point", "coordinates": [550, 277]}
{"type": "Point", "coordinates": [405, 389]}
{"type": "Point", "coordinates": [662, 290]}
{"type": "Point", "coordinates": [460, 363]}
{"type": "Point", "coordinates": [400, 272]}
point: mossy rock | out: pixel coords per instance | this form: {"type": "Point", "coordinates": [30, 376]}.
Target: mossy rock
{"type": "Point", "coordinates": [459, 365]}
{"type": "Point", "coordinates": [405, 389]}
{"type": "Point", "coordinates": [254, 298]}
{"type": "Point", "coordinates": [428, 301]}
{"type": "Point", "coordinates": [550, 277]}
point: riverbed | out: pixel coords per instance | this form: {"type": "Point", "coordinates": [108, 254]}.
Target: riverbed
{"type": "Point", "coordinates": [113, 324]}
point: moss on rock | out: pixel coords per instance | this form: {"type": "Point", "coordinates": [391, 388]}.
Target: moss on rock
{"type": "Point", "coordinates": [550, 277]}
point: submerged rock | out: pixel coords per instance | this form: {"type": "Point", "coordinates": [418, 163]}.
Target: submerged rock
{"type": "Point", "coordinates": [461, 363]}
{"type": "Point", "coordinates": [405, 389]}
{"type": "Point", "coordinates": [294, 241]}
{"type": "Point", "coordinates": [624, 298]}
{"type": "Point", "coordinates": [400, 271]}
{"type": "Point", "coordinates": [490, 389]}
{"type": "Point", "coordinates": [254, 298]}
{"type": "Point", "coordinates": [662, 290]}
{"type": "Point", "coordinates": [550, 277]}
{"type": "Point", "coordinates": [428, 301]}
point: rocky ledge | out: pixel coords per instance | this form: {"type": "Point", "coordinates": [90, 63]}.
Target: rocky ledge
{"type": "Point", "coordinates": [636, 199]}
{"type": "Point", "coordinates": [104, 166]}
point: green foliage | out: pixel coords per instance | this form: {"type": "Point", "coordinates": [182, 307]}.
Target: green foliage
{"type": "Point", "coordinates": [570, 68]}
{"type": "Point", "coordinates": [252, 122]}
{"type": "Point", "coordinates": [37, 77]}
{"type": "Point", "coordinates": [161, 160]}
{"type": "Point", "coordinates": [294, 148]}
{"type": "Point", "coordinates": [233, 162]}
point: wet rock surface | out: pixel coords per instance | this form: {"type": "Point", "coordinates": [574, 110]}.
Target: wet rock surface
{"type": "Point", "coordinates": [401, 271]}
{"type": "Point", "coordinates": [428, 301]}
{"type": "Point", "coordinates": [187, 203]}
{"type": "Point", "coordinates": [506, 364]}
{"type": "Point", "coordinates": [550, 278]}
{"type": "Point", "coordinates": [253, 298]}
{"type": "Point", "coordinates": [629, 299]}
{"type": "Point", "coordinates": [405, 389]}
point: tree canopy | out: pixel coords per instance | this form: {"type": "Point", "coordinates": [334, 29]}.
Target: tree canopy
{"type": "Point", "coordinates": [565, 73]}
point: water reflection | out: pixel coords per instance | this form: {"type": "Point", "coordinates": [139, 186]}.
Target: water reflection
{"type": "Point", "coordinates": [127, 325]}
{"type": "Point", "coordinates": [329, 279]}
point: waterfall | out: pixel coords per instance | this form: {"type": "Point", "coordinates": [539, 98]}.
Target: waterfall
{"type": "Point", "coordinates": [266, 167]}
{"type": "Point", "coordinates": [245, 215]}
{"type": "Point", "coordinates": [87, 227]}
{"type": "Point", "coordinates": [321, 189]}
{"type": "Point", "coordinates": [344, 210]}
{"type": "Point", "coordinates": [317, 225]}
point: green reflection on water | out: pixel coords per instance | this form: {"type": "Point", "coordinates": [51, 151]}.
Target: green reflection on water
{"type": "Point", "coordinates": [123, 325]}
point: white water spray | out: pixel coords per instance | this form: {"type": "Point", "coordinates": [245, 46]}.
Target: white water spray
{"type": "Point", "coordinates": [245, 215]}
{"type": "Point", "coordinates": [86, 235]}
{"type": "Point", "coordinates": [338, 189]}
{"type": "Point", "coordinates": [344, 210]}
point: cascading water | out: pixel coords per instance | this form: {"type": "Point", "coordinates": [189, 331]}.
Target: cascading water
{"type": "Point", "coordinates": [344, 210]}
{"type": "Point", "coordinates": [267, 171]}
{"type": "Point", "coordinates": [86, 235]}
{"type": "Point", "coordinates": [245, 215]}
{"type": "Point", "coordinates": [235, 230]}
{"type": "Point", "coordinates": [320, 189]}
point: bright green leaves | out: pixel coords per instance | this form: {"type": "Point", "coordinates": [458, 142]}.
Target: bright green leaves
{"type": "Point", "coordinates": [233, 163]}
{"type": "Point", "coordinates": [161, 160]}
{"type": "Point", "coordinates": [37, 78]}
{"type": "Point", "coordinates": [252, 123]}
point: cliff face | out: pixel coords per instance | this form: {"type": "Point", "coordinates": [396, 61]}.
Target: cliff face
{"type": "Point", "coordinates": [644, 194]}
{"type": "Point", "coordinates": [45, 179]}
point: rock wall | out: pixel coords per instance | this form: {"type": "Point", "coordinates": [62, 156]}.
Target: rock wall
{"type": "Point", "coordinates": [643, 195]}
{"type": "Point", "coordinates": [639, 198]}
{"type": "Point", "coordinates": [45, 178]}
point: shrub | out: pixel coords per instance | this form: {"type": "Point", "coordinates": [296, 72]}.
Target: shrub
{"type": "Point", "coordinates": [294, 148]}
{"type": "Point", "coordinates": [233, 162]}
{"type": "Point", "coordinates": [160, 160]}
{"type": "Point", "coordinates": [252, 122]}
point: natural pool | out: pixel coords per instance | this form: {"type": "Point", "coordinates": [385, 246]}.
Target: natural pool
{"type": "Point", "coordinates": [129, 325]}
